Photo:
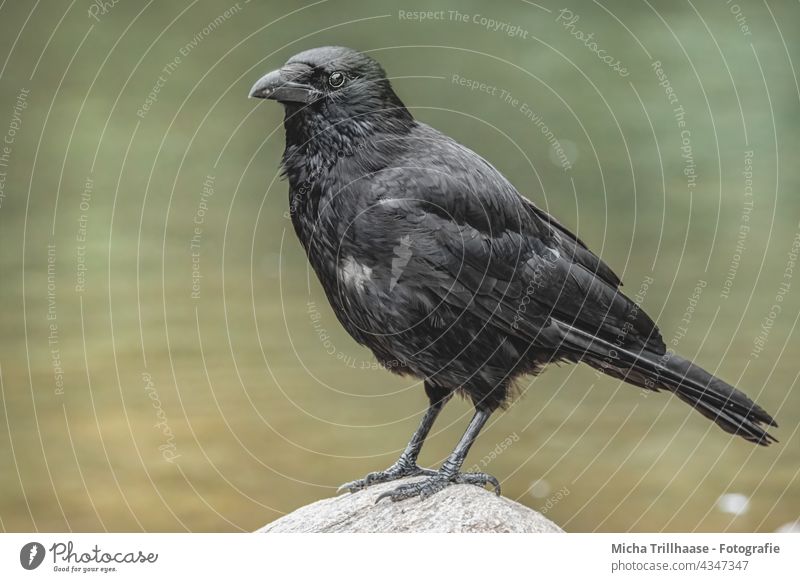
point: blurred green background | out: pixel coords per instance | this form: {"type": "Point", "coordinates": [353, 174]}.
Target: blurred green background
{"type": "Point", "coordinates": [169, 363]}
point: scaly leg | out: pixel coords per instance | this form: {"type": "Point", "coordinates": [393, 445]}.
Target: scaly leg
{"type": "Point", "coordinates": [449, 472]}
{"type": "Point", "coordinates": [406, 465]}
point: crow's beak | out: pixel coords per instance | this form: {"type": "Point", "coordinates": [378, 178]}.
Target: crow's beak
{"type": "Point", "coordinates": [275, 86]}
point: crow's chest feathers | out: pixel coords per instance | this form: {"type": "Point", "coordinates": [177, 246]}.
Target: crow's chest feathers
{"type": "Point", "coordinates": [321, 218]}
{"type": "Point", "coordinates": [349, 277]}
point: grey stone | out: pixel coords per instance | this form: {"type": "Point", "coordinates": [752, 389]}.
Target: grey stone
{"type": "Point", "coordinates": [458, 508]}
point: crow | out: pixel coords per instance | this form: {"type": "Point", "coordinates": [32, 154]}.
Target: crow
{"type": "Point", "coordinates": [430, 258]}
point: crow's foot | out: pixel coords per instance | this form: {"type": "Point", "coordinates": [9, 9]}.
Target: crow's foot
{"type": "Point", "coordinates": [402, 468]}
{"type": "Point", "coordinates": [437, 482]}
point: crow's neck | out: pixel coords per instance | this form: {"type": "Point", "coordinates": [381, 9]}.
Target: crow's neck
{"type": "Point", "coordinates": [315, 143]}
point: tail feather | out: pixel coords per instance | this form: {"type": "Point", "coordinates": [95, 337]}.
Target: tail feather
{"type": "Point", "coordinates": [715, 399]}
{"type": "Point", "coordinates": [728, 407]}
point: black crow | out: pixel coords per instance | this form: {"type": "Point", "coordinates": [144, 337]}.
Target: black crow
{"type": "Point", "coordinates": [434, 261]}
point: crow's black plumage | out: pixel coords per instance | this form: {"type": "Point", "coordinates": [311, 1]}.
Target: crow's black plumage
{"type": "Point", "coordinates": [434, 261]}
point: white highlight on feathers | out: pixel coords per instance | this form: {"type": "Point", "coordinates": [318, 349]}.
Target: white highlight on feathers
{"type": "Point", "coordinates": [402, 254]}
{"type": "Point", "coordinates": [354, 274]}
{"type": "Point", "coordinates": [391, 202]}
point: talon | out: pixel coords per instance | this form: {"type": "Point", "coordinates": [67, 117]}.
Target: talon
{"type": "Point", "coordinates": [479, 479]}
{"type": "Point", "coordinates": [351, 486]}
{"type": "Point", "coordinates": [490, 479]}
{"type": "Point", "coordinates": [384, 495]}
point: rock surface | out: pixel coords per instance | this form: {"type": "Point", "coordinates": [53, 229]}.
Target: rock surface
{"type": "Point", "coordinates": [458, 508]}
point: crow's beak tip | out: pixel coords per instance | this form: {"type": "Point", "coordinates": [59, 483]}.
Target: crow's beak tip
{"type": "Point", "coordinates": [256, 92]}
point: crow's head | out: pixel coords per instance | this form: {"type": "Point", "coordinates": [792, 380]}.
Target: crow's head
{"type": "Point", "coordinates": [334, 88]}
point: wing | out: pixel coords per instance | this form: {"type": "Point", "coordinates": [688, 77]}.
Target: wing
{"type": "Point", "coordinates": [575, 247]}
{"type": "Point", "coordinates": [491, 251]}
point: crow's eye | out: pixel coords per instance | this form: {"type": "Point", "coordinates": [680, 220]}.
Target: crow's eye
{"type": "Point", "coordinates": [336, 79]}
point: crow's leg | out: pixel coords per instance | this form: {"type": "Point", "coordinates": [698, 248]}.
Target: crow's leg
{"type": "Point", "coordinates": [449, 472]}
{"type": "Point", "coordinates": [406, 465]}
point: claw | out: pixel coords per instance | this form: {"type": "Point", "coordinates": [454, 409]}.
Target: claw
{"type": "Point", "coordinates": [359, 484]}
{"type": "Point", "coordinates": [350, 485]}
{"type": "Point", "coordinates": [384, 495]}
{"type": "Point", "coordinates": [479, 479]}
